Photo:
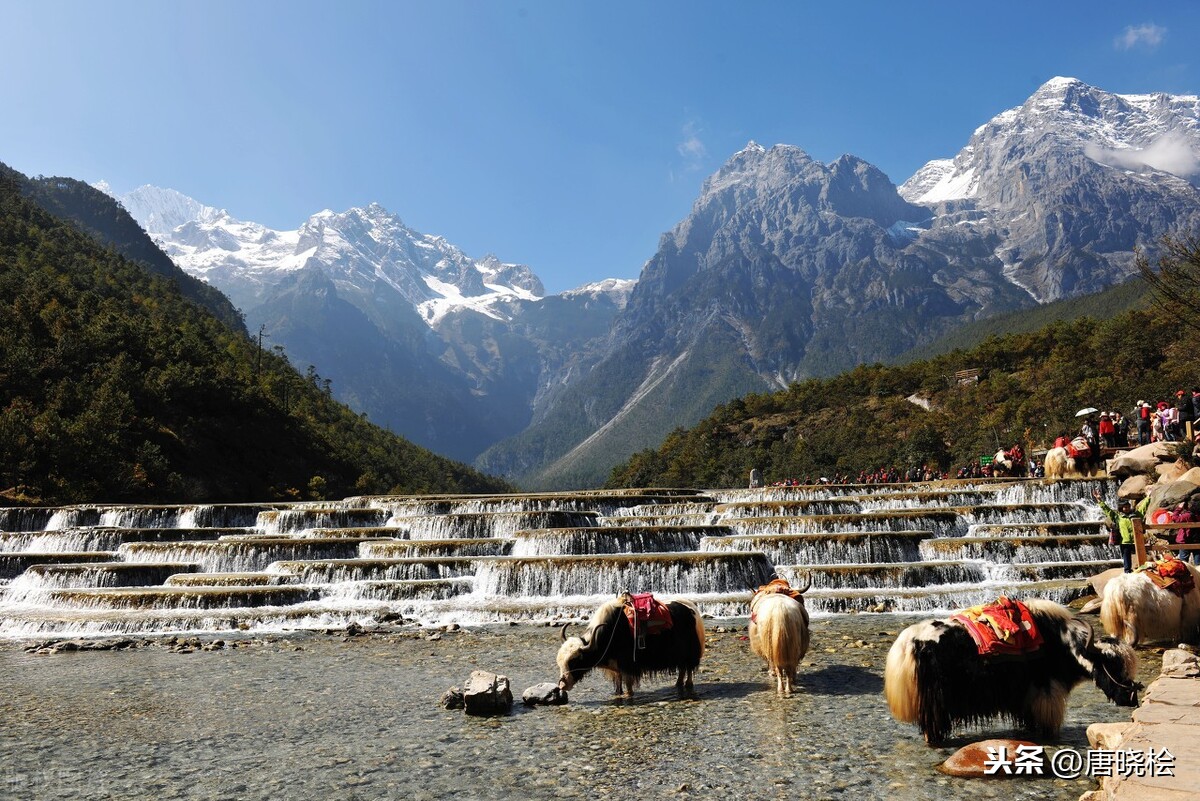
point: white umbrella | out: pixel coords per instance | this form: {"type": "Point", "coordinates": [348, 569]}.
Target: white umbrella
{"type": "Point", "coordinates": [1086, 412]}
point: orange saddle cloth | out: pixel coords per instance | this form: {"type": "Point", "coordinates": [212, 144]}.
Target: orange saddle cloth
{"type": "Point", "coordinates": [1169, 573]}
{"type": "Point", "coordinates": [1003, 628]}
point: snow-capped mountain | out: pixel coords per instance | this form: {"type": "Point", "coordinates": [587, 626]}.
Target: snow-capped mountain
{"type": "Point", "coordinates": [361, 250]}
{"type": "Point", "coordinates": [1069, 184]}
{"type": "Point", "coordinates": [784, 268]}
{"type": "Point", "coordinates": [1144, 134]}
{"type": "Point", "coordinates": [452, 351]}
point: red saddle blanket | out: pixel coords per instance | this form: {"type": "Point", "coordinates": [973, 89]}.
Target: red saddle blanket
{"type": "Point", "coordinates": [1079, 448]}
{"type": "Point", "coordinates": [646, 615]}
{"type": "Point", "coordinates": [1169, 573]}
{"type": "Point", "coordinates": [1003, 628]}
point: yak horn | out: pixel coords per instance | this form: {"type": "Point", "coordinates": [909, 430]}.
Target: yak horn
{"type": "Point", "coordinates": [564, 631]}
{"type": "Point", "coordinates": [807, 583]}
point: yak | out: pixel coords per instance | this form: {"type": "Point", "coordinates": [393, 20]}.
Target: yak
{"type": "Point", "coordinates": [936, 678]}
{"type": "Point", "coordinates": [779, 631]}
{"type": "Point", "coordinates": [609, 644]}
{"type": "Point", "coordinates": [1135, 610]}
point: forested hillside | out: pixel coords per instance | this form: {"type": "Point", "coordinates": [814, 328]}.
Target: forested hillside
{"type": "Point", "coordinates": [116, 387]}
{"type": "Point", "coordinates": [102, 218]}
{"type": "Point", "coordinates": [1029, 388]}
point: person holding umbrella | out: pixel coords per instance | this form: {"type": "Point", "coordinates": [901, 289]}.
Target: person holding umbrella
{"type": "Point", "coordinates": [1089, 432]}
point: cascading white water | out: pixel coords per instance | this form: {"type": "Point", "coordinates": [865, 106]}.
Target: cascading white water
{"type": "Point", "coordinates": [826, 547]}
{"type": "Point", "coordinates": [610, 539]}
{"type": "Point", "coordinates": [459, 558]}
{"type": "Point", "coordinates": [597, 575]}
{"type": "Point", "coordinates": [237, 555]}
{"type": "Point", "coordinates": [428, 549]}
{"type": "Point", "coordinates": [337, 571]}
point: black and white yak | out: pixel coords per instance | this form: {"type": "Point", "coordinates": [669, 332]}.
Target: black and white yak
{"type": "Point", "coordinates": [609, 645]}
{"type": "Point", "coordinates": [936, 678]}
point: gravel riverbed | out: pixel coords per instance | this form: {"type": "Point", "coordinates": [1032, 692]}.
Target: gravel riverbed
{"type": "Point", "coordinates": [313, 716]}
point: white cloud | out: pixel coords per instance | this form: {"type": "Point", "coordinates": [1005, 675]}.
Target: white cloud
{"type": "Point", "coordinates": [1171, 152]}
{"type": "Point", "coordinates": [691, 148]}
{"type": "Point", "coordinates": [1147, 34]}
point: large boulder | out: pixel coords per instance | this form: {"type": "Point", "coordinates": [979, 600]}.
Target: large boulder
{"type": "Point", "coordinates": [974, 760]}
{"type": "Point", "coordinates": [1170, 471]}
{"type": "Point", "coordinates": [1134, 488]}
{"type": "Point", "coordinates": [1141, 460]}
{"type": "Point", "coordinates": [487, 694]}
{"type": "Point", "coordinates": [1100, 579]}
{"type": "Point", "coordinates": [544, 693]}
{"type": "Point", "coordinates": [1166, 496]}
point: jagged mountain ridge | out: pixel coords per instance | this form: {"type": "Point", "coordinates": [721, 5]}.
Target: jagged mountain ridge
{"type": "Point", "coordinates": [451, 351]}
{"type": "Point", "coordinates": [1070, 183]}
{"type": "Point", "coordinates": [786, 268]}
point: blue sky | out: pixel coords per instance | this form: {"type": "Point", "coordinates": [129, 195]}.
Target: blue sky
{"type": "Point", "coordinates": [568, 136]}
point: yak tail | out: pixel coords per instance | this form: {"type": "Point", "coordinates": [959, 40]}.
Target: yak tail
{"type": "Point", "coordinates": [1119, 619]}
{"type": "Point", "coordinates": [900, 678]}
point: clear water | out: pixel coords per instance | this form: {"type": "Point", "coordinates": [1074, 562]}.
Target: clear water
{"type": "Point", "coordinates": [318, 717]}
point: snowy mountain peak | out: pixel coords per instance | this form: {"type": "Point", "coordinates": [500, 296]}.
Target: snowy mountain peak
{"type": "Point", "coordinates": [367, 252]}
{"type": "Point", "coordinates": [617, 290]}
{"type": "Point", "coordinates": [1150, 132]}
{"type": "Point", "coordinates": [1058, 84]}
{"type": "Point", "coordinates": [160, 211]}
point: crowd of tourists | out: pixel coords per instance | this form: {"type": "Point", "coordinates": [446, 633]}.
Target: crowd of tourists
{"type": "Point", "coordinates": [882, 475]}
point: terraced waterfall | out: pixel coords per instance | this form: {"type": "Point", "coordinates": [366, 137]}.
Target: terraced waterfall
{"type": "Point", "coordinates": [901, 547]}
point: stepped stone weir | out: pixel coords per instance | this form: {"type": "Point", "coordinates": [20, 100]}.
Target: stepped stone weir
{"type": "Point", "coordinates": [287, 521]}
{"type": "Point", "coordinates": [39, 578]}
{"type": "Point", "coordinates": [238, 555]}
{"type": "Point", "coordinates": [938, 598]}
{"type": "Point", "coordinates": [669, 573]}
{"type": "Point", "coordinates": [93, 569]}
{"type": "Point", "coordinates": [611, 539]}
{"type": "Point", "coordinates": [428, 549]}
{"type": "Point", "coordinates": [822, 506]}
{"type": "Point", "coordinates": [1071, 547]}
{"type": "Point", "coordinates": [335, 571]}
{"type": "Point", "coordinates": [1036, 529]}
{"type": "Point", "coordinates": [228, 579]}
{"type": "Point", "coordinates": [102, 539]}
{"type": "Point", "coordinates": [181, 597]}
{"type": "Point", "coordinates": [853, 547]}
{"type": "Point", "coordinates": [13, 565]}
{"type": "Point", "coordinates": [410, 590]}
{"type": "Point", "coordinates": [487, 525]}
{"type": "Point", "coordinates": [702, 519]}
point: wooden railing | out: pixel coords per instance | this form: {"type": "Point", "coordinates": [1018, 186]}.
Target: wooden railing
{"type": "Point", "coordinates": [1140, 547]}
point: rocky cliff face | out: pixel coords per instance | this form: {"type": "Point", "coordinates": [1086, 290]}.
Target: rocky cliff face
{"type": "Point", "coordinates": [788, 268]}
{"type": "Point", "coordinates": [1069, 184]}
{"type": "Point", "coordinates": [785, 268]}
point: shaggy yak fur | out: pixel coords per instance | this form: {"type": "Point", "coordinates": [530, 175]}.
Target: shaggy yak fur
{"type": "Point", "coordinates": [779, 634]}
{"type": "Point", "coordinates": [1136, 610]}
{"type": "Point", "coordinates": [936, 678]}
{"type": "Point", "coordinates": [608, 644]}
{"type": "Point", "coordinates": [1058, 465]}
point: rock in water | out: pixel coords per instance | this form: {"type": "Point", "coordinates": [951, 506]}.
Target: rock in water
{"type": "Point", "coordinates": [972, 760]}
{"type": "Point", "coordinates": [544, 693]}
{"type": "Point", "coordinates": [487, 694]}
{"type": "Point", "coordinates": [452, 698]}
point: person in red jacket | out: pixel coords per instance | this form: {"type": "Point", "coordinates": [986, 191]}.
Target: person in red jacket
{"type": "Point", "coordinates": [1107, 431]}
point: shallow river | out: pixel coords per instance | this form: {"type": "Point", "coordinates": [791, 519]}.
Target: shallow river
{"type": "Point", "coordinates": [316, 717]}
